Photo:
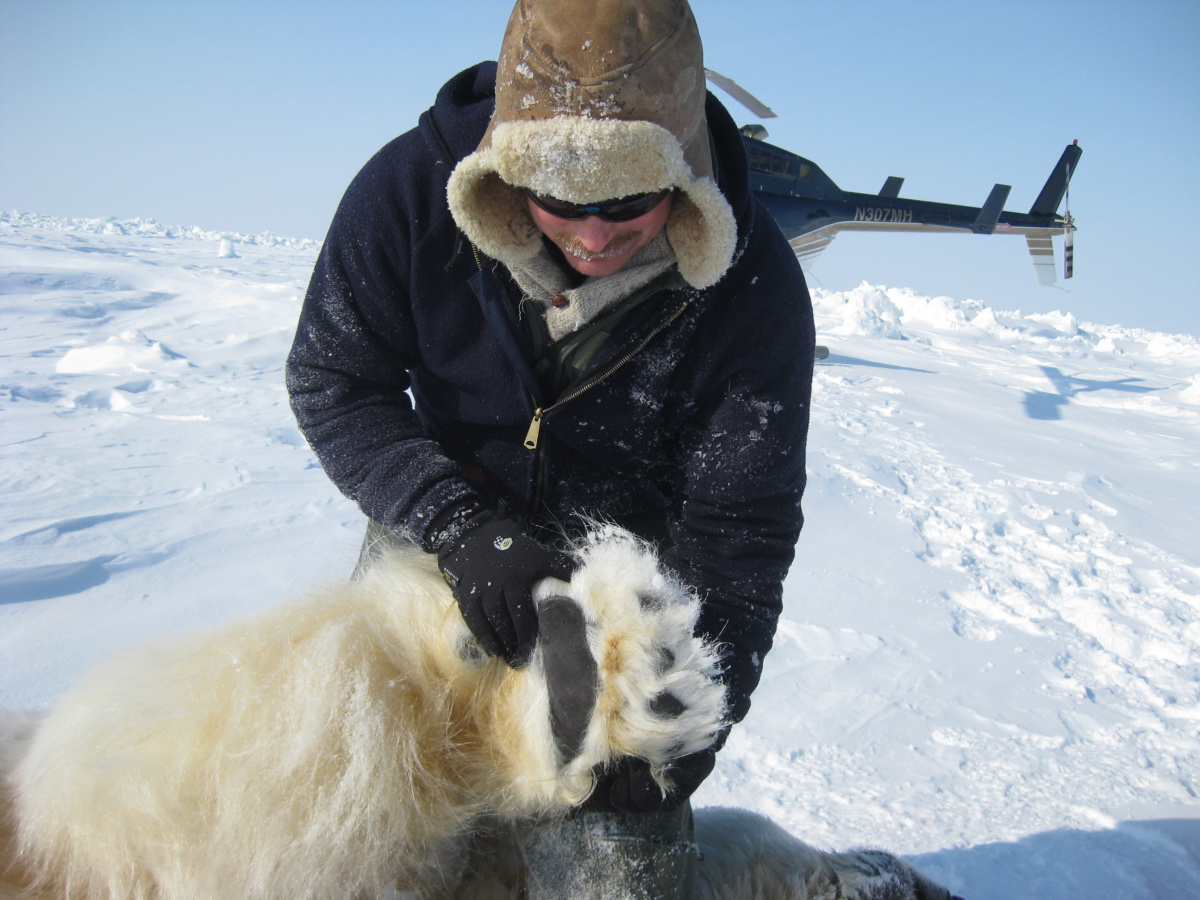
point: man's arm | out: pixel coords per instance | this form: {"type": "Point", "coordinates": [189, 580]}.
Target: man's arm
{"type": "Point", "coordinates": [741, 462]}
{"type": "Point", "coordinates": [348, 370]}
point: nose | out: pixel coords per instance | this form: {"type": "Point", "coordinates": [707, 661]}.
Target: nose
{"type": "Point", "coordinates": [594, 233]}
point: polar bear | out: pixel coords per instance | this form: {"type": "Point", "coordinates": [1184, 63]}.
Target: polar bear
{"type": "Point", "coordinates": [326, 748]}
{"type": "Point", "coordinates": [341, 746]}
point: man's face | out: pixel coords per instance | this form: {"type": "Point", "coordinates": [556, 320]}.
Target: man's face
{"type": "Point", "coordinates": [594, 246]}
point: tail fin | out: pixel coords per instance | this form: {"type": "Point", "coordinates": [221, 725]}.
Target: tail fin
{"type": "Point", "coordinates": [1047, 201]}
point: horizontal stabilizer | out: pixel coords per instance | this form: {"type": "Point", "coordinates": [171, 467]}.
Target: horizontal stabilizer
{"type": "Point", "coordinates": [989, 215]}
{"type": "Point", "coordinates": [1041, 249]}
{"type": "Point", "coordinates": [1056, 185]}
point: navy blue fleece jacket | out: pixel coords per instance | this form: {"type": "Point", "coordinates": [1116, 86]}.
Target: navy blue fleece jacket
{"type": "Point", "coordinates": [407, 378]}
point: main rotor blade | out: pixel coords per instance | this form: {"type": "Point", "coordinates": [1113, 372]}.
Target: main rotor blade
{"type": "Point", "coordinates": [740, 94]}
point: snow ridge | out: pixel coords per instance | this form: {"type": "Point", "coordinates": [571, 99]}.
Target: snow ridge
{"type": "Point", "coordinates": [151, 228]}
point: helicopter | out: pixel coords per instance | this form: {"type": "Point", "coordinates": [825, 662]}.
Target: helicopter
{"type": "Point", "coordinates": [810, 209]}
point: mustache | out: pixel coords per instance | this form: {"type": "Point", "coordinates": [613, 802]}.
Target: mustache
{"type": "Point", "coordinates": [618, 245]}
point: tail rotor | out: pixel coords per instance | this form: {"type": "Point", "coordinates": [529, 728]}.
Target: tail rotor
{"type": "Point", "coordinates": [1068, 227]}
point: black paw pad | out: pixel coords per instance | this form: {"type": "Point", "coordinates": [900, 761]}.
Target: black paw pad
{"type": "Point", "coordinates": [668, 706]}
{"type": "Point", "coordinates": [572, 675]}
{"type": "Point", "coordinates": [469, 650]}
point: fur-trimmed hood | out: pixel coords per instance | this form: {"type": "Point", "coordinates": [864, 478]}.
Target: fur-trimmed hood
{"type": "Point", "coordinates": [594, 101]}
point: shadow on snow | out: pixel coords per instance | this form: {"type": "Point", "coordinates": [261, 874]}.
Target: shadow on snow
{"type": "Point", "coordinates": [837, 359]}
{"type": "Point", "coordinates": [1046, 406]}
{"type": "Point", "coordinates": [1135, 860]}
{"type": "Point", "coordinates": [47, 582]}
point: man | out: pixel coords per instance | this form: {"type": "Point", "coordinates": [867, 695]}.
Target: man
{"type": "Point", "coordinates": [565, 267]}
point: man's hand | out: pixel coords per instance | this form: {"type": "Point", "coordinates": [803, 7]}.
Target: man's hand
{"type": "Point", "coordinates": [492, 568]}
{"type": "Point", "coordinates": [628, 785]}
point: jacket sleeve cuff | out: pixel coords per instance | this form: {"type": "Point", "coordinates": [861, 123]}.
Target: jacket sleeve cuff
{"type": "Point", "coordinates": [452, 522]}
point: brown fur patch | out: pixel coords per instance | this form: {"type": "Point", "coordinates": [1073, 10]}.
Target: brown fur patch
{"type": "Point", "coordinates": [16, 877]}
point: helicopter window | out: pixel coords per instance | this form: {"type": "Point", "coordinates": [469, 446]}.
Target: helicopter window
{"type": "Point", "coordinates": [762, 160]}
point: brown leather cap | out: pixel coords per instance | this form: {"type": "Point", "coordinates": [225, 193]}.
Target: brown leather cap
{"type": "Point", "coordinates": [634, 60]}
{"type": "Point", "coordinates": [597, 99]}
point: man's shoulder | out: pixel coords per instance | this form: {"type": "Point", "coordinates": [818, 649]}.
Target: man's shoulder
{"type": "Point", "coordinates": [764, 292]}
{"type": "Point", "coordinates": [765, 258]}
{"type": "Point", "coordinates": [459, 116]}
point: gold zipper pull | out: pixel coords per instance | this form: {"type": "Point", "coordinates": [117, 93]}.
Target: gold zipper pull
{"type": "Point", "coordinates": [535, 428]}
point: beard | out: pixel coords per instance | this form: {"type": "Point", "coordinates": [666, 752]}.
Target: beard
{"type": "Point", "coordinates": [619, 245]}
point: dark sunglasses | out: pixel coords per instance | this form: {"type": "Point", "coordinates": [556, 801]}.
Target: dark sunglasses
{"type": "Point", "coordinates": [620, 210]}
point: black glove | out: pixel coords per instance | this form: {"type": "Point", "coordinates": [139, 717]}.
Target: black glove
{"type": "Point", "coordinates": [627, 786]}
{"type": "Point", "coordinates": [492, 567]}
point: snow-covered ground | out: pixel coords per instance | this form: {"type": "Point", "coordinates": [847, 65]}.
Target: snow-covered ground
{"type": "Point", "coordinates": [990, 656]}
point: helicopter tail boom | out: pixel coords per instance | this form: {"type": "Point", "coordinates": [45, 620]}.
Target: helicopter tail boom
{"type": "Point", "coordinates": [810, 209]}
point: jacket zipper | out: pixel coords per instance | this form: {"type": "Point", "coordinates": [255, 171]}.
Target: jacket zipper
{"type": "Point", "coordinates": [535, 427]}
{"type": "Point", "coordinates": [532, 437]}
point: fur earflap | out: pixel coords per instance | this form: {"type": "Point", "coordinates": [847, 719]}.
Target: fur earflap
{"type": "Point", "coordinates": [585, 160]}
{"type": "Point", "coordinates": [330, 748]}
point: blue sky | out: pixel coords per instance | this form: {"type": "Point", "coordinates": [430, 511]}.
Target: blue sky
{"type": "Point", "coordinates": [255, 116]}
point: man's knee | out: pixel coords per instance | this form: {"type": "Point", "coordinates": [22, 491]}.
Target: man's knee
{"type": "Point", "coordinates": [631, 856]}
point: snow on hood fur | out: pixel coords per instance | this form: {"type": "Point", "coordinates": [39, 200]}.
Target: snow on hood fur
{"type": "Point", "coordinates": [595, 101]}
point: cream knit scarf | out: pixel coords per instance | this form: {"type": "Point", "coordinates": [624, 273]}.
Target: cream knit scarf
{"type": "Point", "coordinates": [542, 279]}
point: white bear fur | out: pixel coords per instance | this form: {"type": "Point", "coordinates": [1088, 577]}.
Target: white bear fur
{"type": "Point", "coordinates": [343, 746]}
{"type": "Point", "coordinates": [330, 748]}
